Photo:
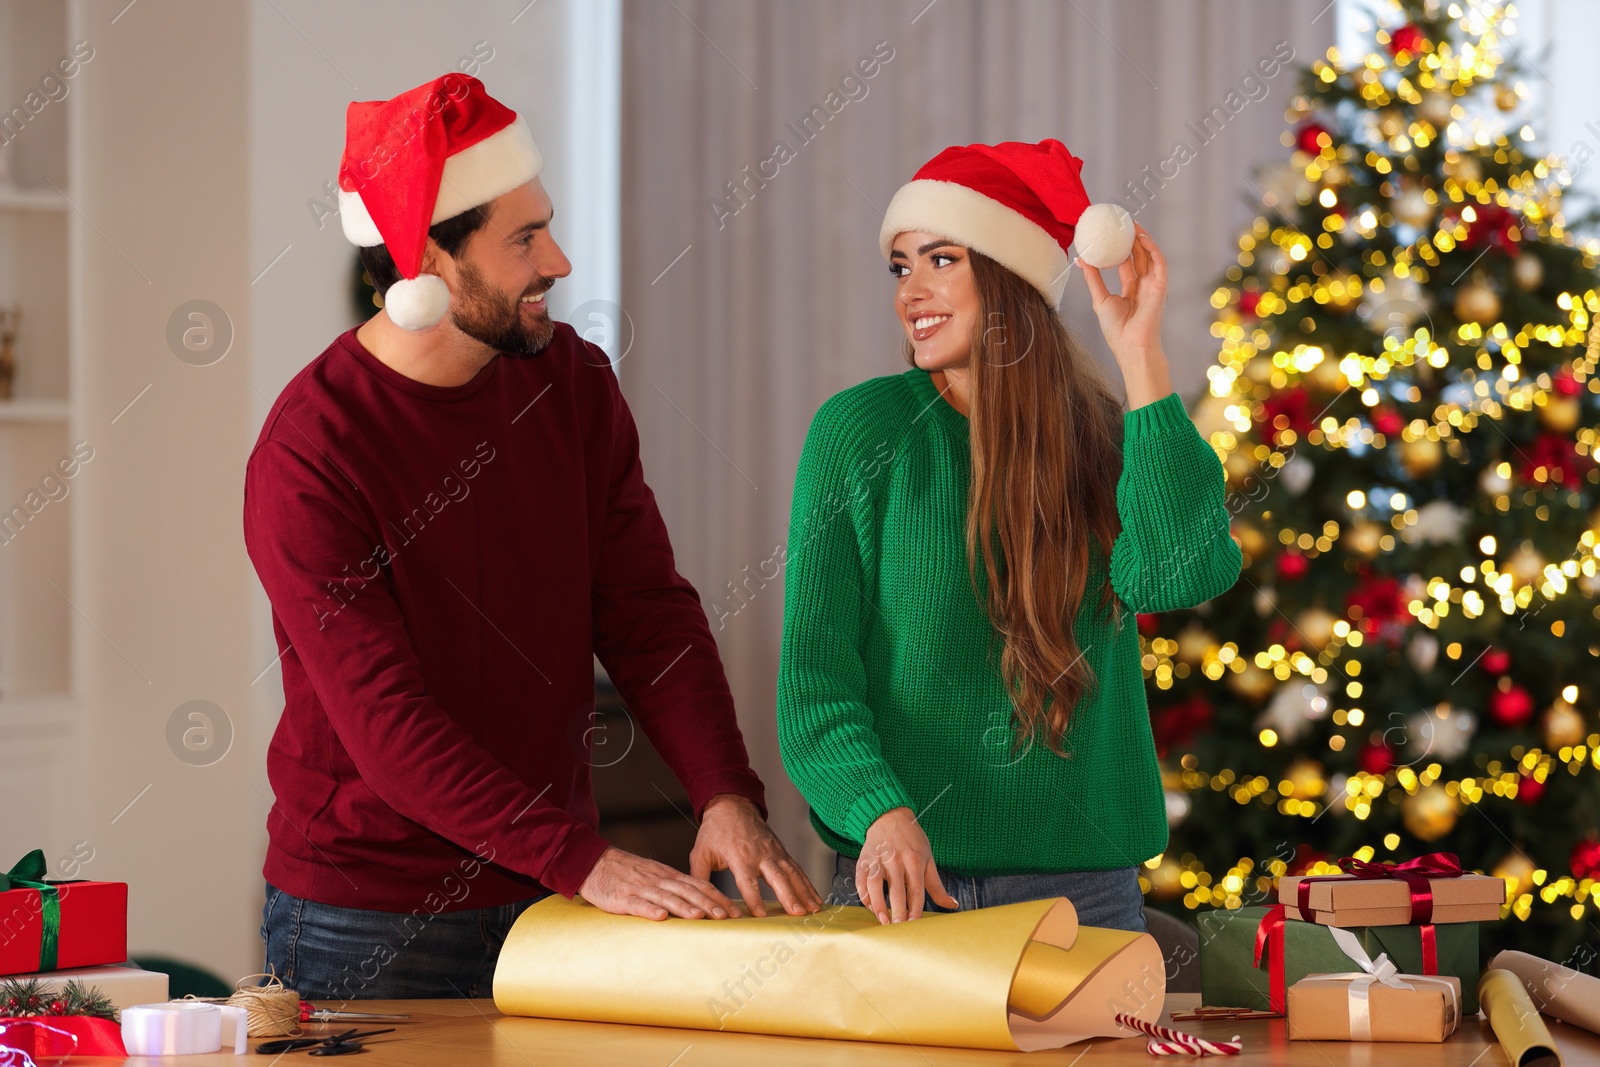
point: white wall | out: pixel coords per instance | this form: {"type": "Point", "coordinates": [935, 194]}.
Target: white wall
{"type": "Point", "coordinates": [206, 129]}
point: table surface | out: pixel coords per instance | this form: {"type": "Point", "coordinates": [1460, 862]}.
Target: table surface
{"type": "Point", "coordinates": [472, 1031]}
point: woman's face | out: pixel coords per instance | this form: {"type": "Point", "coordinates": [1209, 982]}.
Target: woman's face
{"type": "Point", "coordinates": [935, 297]}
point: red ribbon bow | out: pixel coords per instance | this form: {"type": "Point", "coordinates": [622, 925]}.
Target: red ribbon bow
{"type": "Point", "coordinates": [1415, 873]}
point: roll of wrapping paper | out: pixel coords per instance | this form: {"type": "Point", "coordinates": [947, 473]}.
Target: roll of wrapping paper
{"type": "Point", "coordinates": [1560, 992]}
{"type": "Point", "coordinates": [1516, 1021]}
{"type": "Point", "coordinates": [1015, 977]}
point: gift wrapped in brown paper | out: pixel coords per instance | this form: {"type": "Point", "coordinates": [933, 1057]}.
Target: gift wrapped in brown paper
{"type": "Point", "coordinates": [1430, 889]}
{"type": "Point", "coordinates": [1016, 977]}
{"type": "Point", "coordinates": [1375, 1003]}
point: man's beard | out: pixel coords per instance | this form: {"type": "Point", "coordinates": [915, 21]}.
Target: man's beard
{"type": "Point", "coordinates": [487, 315]}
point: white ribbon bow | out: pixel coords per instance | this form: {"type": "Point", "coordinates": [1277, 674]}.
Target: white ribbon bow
{"type": "Point", "coordinates": [1381, 971]}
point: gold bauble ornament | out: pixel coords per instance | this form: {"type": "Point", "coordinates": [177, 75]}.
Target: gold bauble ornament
{"type": "Point", "coordinates": [1306, 776]}
{"type": "Point", "coordinates": [1239, 467]}
{"type": "Point", "coordinates": [1478, 302]}
{"type": "Point", "coordinates": [1528, 272]}
{"type": "Point", "coordinates": [1316, 626]}
{"type": "Point", "coordinates": [1391, 123]}
{"type": "Point", "coordinates": [1252, 542]}
{"type": "Point", "coordinates": [1526, 564]}
{"type": "Point", "coordinates": [1412, 208]}
{"type": "Point", "coordinates": [1564, 726]}
{"type": "Point", "coordinates": [1505, 97]}
{"type": "Point", "coordinates": [1259, 370]}
{"type": "Point", "coordinates": [1195, 642]}
{"type": "Point", "coordinates": [1421, 457]}
{"type": "Point", "coordinates": [1336, 175]}
{"type": "Point", "coordinates": [1252, 682]}
{"type": "Point", "coordinates": [1464, 168]}
{"type": "Point", "coordinates": [1328, 377]}
{"type": "Point", "coordinates": [1436, 107]}
{"type": "Point", "coordinates": [1365, 538]}
{"type": "Point", "coordinates": [1517, 870]}
{"type": "Point", "coordinates": [1344, 292]}
{"type": "Point", "coordinates": [1165, 880]}
{"type": "Point", "coordinates": [1429, 813]}
{"type": "Point", "coordinates": [1559, 413]}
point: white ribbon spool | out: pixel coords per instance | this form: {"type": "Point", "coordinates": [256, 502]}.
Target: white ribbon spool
{"type": "Point", "coordinates": [182, 1027]}
{"type": "Point", "coordinates": [1381, 971]}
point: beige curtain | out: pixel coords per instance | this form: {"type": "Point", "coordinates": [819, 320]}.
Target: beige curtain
{"type": "Point", "coordinates": [754, 301]}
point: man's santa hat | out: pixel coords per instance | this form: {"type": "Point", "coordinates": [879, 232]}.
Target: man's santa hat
{"type": "Point", "coordinates": [427, 155]}
{"type": "Point", "coordinates": [1020, 204]}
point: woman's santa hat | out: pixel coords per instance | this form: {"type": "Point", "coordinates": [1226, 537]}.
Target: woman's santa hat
{"type": "Point", "coordinates": [425, 156]}
{"type": "Point", "coordinates": [1020, 204]}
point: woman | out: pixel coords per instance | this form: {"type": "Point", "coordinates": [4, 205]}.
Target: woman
{"type": "Point", "coordinates": [959, 743]}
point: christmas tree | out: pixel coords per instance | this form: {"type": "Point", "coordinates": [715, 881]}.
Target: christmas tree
{"type": "Point", "coordinates": [1405, 405]}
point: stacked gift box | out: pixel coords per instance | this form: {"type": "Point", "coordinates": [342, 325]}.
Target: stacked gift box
{"type": "Point", "coordinates": [61, 932]}
{"type": "Point", "coordinates": [1377, 952]}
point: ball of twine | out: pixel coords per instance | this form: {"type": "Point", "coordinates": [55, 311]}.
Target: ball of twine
{"type": "Point", "coordinates": [271, 1009]}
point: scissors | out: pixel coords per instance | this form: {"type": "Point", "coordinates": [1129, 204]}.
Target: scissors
{"type": "Point", "coordinates": [335, 1045]}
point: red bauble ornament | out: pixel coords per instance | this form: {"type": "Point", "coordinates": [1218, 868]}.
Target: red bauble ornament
{"type": "Point", "coordinates": [1292, 566]}
{"type": "Point", "coordinates": [1496, 661]}
{"type": "Point", "coordinates": [58, 1007]}
{"type": "Point", "coordinates": [1407, 38]}
{"type": "Point", "coordinates": [1249, 300]}
{"type": "Point", "coordinates": [1566, 383]}
{"type": "Point", "coordinates": [1295, 407]}
{"type": "Point", "coordinates": [1511, 707]}
{"type": "Point", "coordinates": [1148, 623]}
{"type": "Point", "coordinates": [1377, 601]}
{"type": "Point", "coordinates": [1307, 138]}
{"type": "Point", "coordinates": [1586, 859]}
{"type": "Point", "coordinates": [1494, 225]}
{"type": "Point", "coordinates": [1176, 725]}
{"type": "Point", "coordinates": [1387, 421]}
{"type": "Point", "coordinates": [1556, 453]}
{"type": "Point", "coordinates": [1529, 790]}
{"type": "Point", "coordinates": [1376, 758]}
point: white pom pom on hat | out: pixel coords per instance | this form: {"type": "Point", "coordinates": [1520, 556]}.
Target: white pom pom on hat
{"type": "Point", "coordinates": [1022, 205]}
{"type": "Point", "coordinates": [420, 158]}
{"type": "Point", "coordinates": [417, 303]}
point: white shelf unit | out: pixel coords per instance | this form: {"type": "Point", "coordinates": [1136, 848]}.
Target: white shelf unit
{"type": "Point", "coordinates": [38, 231]}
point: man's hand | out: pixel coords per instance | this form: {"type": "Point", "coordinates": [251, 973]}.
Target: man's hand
{"type": "Point", "coordinates": [625, 884]}
{"type": "Point", "coordinates": [734, 837]}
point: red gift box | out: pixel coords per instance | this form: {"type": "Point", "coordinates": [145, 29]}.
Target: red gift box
{"type": "Point", "coordinates": [53, 1036]}
{"type": "Point", "coordinates": [85, 925]}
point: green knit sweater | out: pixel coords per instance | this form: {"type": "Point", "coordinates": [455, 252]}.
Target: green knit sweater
{"type": "Point", "coordinates": [887, 695]}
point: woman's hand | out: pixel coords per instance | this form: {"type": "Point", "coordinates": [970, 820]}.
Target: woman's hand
{"type": "Point", "coordinates": [1131, 320]}
{"type": "Point", "coordinates": [896, 866]}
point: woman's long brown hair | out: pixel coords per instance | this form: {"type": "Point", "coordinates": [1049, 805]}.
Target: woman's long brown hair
{"type": "Point", "coordinates": [1046, 456]}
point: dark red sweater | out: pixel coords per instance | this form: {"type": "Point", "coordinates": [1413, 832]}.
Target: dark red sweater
{"type": "Point", "coordinates": [443, 565]}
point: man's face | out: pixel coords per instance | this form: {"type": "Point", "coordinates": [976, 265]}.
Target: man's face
{"type": "Point", "coordinates": [504, 271]}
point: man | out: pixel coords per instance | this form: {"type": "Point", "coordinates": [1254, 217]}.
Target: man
{"type": "Point", "coordinates": [449, 517]}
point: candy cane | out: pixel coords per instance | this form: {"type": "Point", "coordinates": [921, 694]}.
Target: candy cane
{"type": "Point", "coordinates": [1169, 1042]}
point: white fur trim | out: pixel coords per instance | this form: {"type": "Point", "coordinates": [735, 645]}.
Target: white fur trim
{"type": "Point", "coordinates": [417, 303]}
{"type": "Point", "coordinates": [473, 176]}
{"type": "Point", "coordinates": [967, 217]}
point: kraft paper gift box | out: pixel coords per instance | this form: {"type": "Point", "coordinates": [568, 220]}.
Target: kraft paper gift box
{"type": "Point", "coordinates": [1351, 900]}
{"type": "Point", "coordinates": [1231, 976]}
{"type": "Point", "coordinates": [47, 925]}
{"type": "Point", "coordinates": [1359, 1007]}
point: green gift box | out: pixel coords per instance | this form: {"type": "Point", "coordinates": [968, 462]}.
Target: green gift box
{"type": "Point", "coordinates": [1229, 976]}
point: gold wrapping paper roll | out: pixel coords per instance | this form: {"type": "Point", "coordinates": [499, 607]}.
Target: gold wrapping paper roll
{"type": "Point", "coordinates": [1018, 977]}
{"type": "Point", "coordinates": [1516, 1023]}
{"type": "Point", "coordinates": [1560, 992]}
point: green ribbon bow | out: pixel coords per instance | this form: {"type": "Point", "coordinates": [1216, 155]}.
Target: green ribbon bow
{"type": "Point", "coordinates": [28, 873]}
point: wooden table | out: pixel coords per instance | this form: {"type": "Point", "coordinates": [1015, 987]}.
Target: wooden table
{"type": "Point", "coordinates": [471, 1031]}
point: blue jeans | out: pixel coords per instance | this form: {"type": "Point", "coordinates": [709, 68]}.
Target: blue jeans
{"type": "Point", "coordinates": [1102, 898]}
{"type": "Point", "coordinates": [332, 953]}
